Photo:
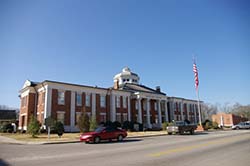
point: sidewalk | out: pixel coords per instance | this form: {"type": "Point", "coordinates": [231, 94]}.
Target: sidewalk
{"type": "Point", "coordinates": [7, 140]}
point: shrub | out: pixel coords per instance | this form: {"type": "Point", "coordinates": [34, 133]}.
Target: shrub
{"type": "Point", "coordinates": [93, 123]}
{"type": "Point", "coordinates": [59, 128]}
{"type": "Point", "coordinates": [117, 124]}
{"type": "Point", "coordinates": [83, 122]}
{"type": "Point", "coordinates": [164, 125]}
{"type": "Point", "coordinates": [108, 123]}
{"type": "Point", "coordinates": [6, 127]}
{"type": "Point", "coordinates": [215, 125]}
{"type": "Point", "coordinates": [126, 125]}
{"type": "Point", "coordinates": [33, 127]}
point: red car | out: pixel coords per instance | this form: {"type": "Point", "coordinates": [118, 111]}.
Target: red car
{"type": "Point", "coordinates": [104, 133]}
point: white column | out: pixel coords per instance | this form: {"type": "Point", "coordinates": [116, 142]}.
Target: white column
{"type": "Point", "coordinates": [195, 114]}
{"type": "Point", "coordinates": [159, 112]}
{"type": "Point", "coordinates": [113, 108]}
{"type": "Point", "coordinates": [166, 110]}
{"type": "Point", "coordinates": [129, 109]}
{"type": "Point", "coordinates": [148, 114]}
{"type": "Point", "coordinates": [47, 104]}
{"type": "Point", "coordinates": [139, 118]}
{"type": "Point", "coordinates": [181, 109]}
{"type": "Point", "coordinates": [72, 110]}
{"type": "Point", "coordinates": [93, 111]}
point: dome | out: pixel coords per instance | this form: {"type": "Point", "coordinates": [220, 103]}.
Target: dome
{"type": "Point", "coordinates": [126, 76]}
{"type": "Point", "coordinates": [126, 69]}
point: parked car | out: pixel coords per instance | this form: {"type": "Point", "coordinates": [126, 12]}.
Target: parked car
{"type": "Point", "coordinates": [103, 133]}
{"type": "Point", "coordinates": [241, 125]}
{"type": "Point", "coordinates": [181, 127]}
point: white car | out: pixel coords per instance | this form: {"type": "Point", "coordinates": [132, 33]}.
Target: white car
{"type": "Point", "coordinates": [241, 125]}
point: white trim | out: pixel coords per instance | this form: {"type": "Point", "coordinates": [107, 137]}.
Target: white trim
{"type": "Point", "coordinates": [148, 113]}
{"type": "Point", "coordinates": [47, 103]}
{"type": "Point", "coordinates": [25, 93]}
{"type": "Point", "coordinates": [23, 114]}
{"type": "Point", "coordinates": [60, 112]}
{"type": "Point", "coordinates": [181, 109]}
{"type": "Point", "coordinates": [129, 109]}
{"type": "Point", "coordinates": [113, 108]}
{"type": "Point", "coordinates": [159, 112]}
{"type": "Point", "coordinates": [139, 118]}
{"type": "Point", "coordinates": [22, 128]}
{"type": "Point", "coordinates": [93, 106]}
{"type": "Point", "coordinates": [72, 109]}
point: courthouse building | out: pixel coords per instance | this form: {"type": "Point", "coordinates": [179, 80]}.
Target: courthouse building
{"type": "Point", "coordinates": [127, 100]}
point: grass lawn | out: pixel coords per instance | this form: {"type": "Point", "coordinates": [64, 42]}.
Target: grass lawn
{"type": "Point", "coordinates": [68, 136]}
{"type": "Point", "coordinates": [43, 137]}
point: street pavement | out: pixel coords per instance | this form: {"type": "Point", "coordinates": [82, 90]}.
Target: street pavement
{"type": "Point", "coordinates": [227, 148]}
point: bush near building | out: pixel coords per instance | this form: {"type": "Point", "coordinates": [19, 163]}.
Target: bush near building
{"type": "Point", "coordinates": [83, 122]}
{"type": "Point", "coordinates": [33, 127]}
{"type": "Point", "coordinates": [93, 124]}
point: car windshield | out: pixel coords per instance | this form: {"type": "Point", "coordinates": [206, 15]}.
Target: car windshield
{"type": "Point", "coordinates": [180, 123]}
{"type": "Point", "coordinates": [99, 129]}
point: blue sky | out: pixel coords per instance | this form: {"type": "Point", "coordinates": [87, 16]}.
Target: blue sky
{"type": "Point", "coordinates": [88, 42]}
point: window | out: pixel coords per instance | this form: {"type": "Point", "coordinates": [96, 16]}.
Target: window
{"type": "Point", "coordinates": [103, 101]}
{"type": "Point", "coordinates": [103, 117]}
{"type": "Point", "coordinates": [61, 98]}
{"type": "Point", "coordinates": [87, 100]}
{"type": "Point", "coordinates": [118, 117]}
{"type": "Point", "coordinates": [118, 101]}
{"type": "Point", "coordinates": [124, 101]}
{"type": "Point", "coordinates": [125, 117]}
{"type": "Point", "coordinates": [78, 114]}
{"type": "Point", "coordinates": [24, 101]}
{"type": "Point", "coordinates": [79, 99]}
{"type": "Point", "coordinates": [60, 117]}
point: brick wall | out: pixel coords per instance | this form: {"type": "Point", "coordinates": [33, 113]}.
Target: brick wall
{"type": "Point", "coordinates": [65, 108]}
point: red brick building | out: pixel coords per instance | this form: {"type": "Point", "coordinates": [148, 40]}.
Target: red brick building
{"type": "Point", "coordinates": [127, 100]}
{"type": "Point", "coordinates": [227, 120]}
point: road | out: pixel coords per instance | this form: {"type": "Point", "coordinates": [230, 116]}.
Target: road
{"type": "Point", "coordinates": [228, 148]}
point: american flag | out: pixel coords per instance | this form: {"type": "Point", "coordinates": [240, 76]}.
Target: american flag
{"type": "Point", "coordinates": [196, 80]}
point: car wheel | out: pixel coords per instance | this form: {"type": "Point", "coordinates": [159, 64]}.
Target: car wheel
{"type": "Point", "coordinates": [97, 140]}
{"type": "Point", "coordinates": [169, 133]}
{"type": "Point", "coordinates": [237, 128]}
{"type": "Point", "coordinates": [120, 138]}
{"type": "Point", "coordinates": [191, 132]}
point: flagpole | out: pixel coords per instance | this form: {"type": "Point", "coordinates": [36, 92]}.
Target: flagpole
{"type": "Point", "coordinates": [199, 109]}
{"type": "Point", "coordinates": [197, 90]}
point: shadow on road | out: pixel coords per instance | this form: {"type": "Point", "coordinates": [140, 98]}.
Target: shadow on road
{"type": "Point", "coordinates": [121, 142]}
{"type": "Point", "coordinates": [187, 134]}
{"type": "Point", "coordinates": [3, 163]}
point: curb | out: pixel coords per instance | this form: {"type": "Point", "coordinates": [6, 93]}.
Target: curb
{"type": "Point", "coordinates": [77, 141]}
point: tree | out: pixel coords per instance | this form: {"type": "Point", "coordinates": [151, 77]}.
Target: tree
{"type": "Point", "coordinates": [33, 127]}
{"type": "Point", "coordinates": [93, 123]}
{"type": "Point", "coordinates": [208, 110]}
{"type": "Point", "coordinates": [83, 122]}
{"type": "Point", "coordinates": [59, 127]}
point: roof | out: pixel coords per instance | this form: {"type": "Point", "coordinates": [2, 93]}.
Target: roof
{"type": "Point", "coordinates": [140, 88]}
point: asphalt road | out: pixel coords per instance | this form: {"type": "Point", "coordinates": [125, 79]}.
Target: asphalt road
{"type": "Point", "coordinates": [223, 148]}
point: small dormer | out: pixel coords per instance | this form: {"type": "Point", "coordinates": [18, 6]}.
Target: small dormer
{"type": "Point", "coordinates": [126, 76]}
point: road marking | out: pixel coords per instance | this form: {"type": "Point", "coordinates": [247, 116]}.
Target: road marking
{"type": "Point", "coordinates": [192, 147]}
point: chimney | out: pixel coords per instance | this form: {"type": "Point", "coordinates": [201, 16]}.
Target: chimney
{"type": "Point", "coordinates": [158, 89]}
{"type": "Point", "coordinates": [116, 84]}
